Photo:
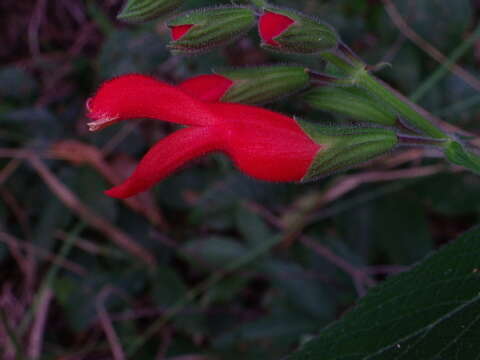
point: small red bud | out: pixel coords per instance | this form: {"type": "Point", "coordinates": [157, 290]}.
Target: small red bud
{"type": "Point", "coordinates": [180, 30]}
{"type": "Point", "coordinates": [272, 25]}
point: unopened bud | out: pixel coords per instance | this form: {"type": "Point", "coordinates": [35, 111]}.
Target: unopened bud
{"type": "Point", "coordinates": [345, 147]}
{"type": "Point", "coordinates": [263, 84]}
{"type": "Point", "coordinates": [350, 101]}
{"type": "Point", "coordinates": [293, 32]}
{"type": "Point", "coordinates": [142, 10]}
{"type": "Point", "coordinates": [203, 29]}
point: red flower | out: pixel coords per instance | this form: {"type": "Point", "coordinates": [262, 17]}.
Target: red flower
{"type": "Point", "coordinates": [210, 87]}
{"type": "Point", "coordinates": [265, 145]}
{"type": "Point", "coordinates": [272, 25]}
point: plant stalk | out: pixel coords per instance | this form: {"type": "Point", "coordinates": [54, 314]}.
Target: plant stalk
{"type": "Point", "coordinates": [361, 77]}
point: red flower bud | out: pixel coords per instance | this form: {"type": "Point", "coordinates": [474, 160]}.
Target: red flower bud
{"type": "Point", "coordinates": [293, 32]}
{"type": "Point", "coordinates": [265, 145]}
{"type": "Point", "coordinates": [272, 25]}
{"type": "Point", "coordinates": [180, 30]}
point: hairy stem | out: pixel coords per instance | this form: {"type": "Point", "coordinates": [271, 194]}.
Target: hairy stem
{"type": "Point", "coordinates": [359, 76]}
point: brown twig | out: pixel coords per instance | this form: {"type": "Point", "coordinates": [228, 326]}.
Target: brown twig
{"type": "Point", "coordinates": [403, 26]}
{"type": "Point", "coordinates": [15, 245]}
{"type": "Point", "coordinates": [85, 213]}
{"type": "Point", "coordinates": [359, 276]}
{"type": "Point", "coordinates": [340, 187]}
{"type": "Point", "coordinates": [38, 328]}
{"type": "Point", "coordinates": [34, 26]}
{"type": "Point", "coordinates": [9, 169]}
{"type": "Point", "coordinates": [80, 153]}
{"type": "Point", "coordinates": [105, 321]}
{"type": "Point", "coordinates": [73, 203]}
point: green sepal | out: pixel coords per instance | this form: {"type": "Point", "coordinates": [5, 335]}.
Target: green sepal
{"type": "Point", "coordinates": [353, 102]}
{"type": "Point", "coordinates": [264, 84]}
{"type": "Point", "coordinates": [345, 147]}
{"type": "Point", "coordinates": [143, 10]}
{"type": "Point", "coordinates": [458, 155]}
{"type": "Point", "coordinates": [306, 35]}
{"type": "Point", "coordinates": [212, 27]}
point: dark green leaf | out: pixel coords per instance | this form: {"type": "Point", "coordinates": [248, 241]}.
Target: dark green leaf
{"type": "Point", "coordinates": [303, 290]}
{"type": "Point", "coordinates": [168, 286]}
{"type": "Point", "coordinates": [253, 229]}
{"type": "Point", "coordinates": [212, 253]}
{"type": "Point", "coordinates": [431, 312]}
{"type": "Point", "coordinates": [400, 229]}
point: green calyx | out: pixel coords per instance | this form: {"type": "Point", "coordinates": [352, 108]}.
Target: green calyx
{"type": "Point", "coordinates": [305, 36]}
{"type": "Point", "coordinates": [265, 84]}
{"type": "Point", "coordinates": [345, 147]}
{"type": "Point", "coordinates": [143, 10]}
{"type": "Point", "coordinates": [351, 101]}
{"type": "Point", "coordinates": [212, 27]}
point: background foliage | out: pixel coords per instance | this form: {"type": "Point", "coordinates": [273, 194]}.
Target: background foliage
{"type": "Point", "coordinates": [210, 264]}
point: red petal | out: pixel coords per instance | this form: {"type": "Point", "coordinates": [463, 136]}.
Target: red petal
{"type": "Point", "coordinates": [272, 25]}
{"type": "Point", "coordinates": [138, 96]}
{"type": "Point", "coordinates": [233, 113]}
{"type": "Point", "coordinates": [271, 154]}
{"type": "Point", "coordinates": [207, 87]}
{"type": "Point", "coordinates": [167, 156]}
{"type": "Point", "coordinates": [264, 144]}
{"type": "Point", "coordinates": [179, 31]}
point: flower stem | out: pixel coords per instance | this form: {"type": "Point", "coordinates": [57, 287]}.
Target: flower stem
{"type": "Point", "coordinates": [358, 75]}
{"type": "Point", "coordinates": [405, 139]}
{"type": "Point", "coordinates": [404, 110]}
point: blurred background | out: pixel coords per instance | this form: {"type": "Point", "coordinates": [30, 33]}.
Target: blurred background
{"type": "Point", "coordinates": [209, 264]}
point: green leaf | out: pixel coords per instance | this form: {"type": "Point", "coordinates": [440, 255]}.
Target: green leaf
{"type": "Point", "coordinates": [252, 227]}
{"type": "Point", "coordinates": [458, 155]}
{"type": "Point", "coordinates": [168, 287]}
{"type": "Point", "coordinates": [212, 253]}
{"type": "Point", "coordinates": [306, 293]}
{"type": "Point", "coordinates": [431, 312]}
{"type": "Point", "coordinates": [142, 10]}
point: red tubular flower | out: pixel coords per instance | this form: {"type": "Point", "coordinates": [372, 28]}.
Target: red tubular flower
{"type": "Point", "coordinates": [265, 145]}
{"type": "Point", "coordinates": [272, 25]}
{"type": "Point", "coordinates": [207, 87]}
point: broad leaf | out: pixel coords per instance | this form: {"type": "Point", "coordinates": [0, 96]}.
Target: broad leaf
{"type": "Point", "coordinates": [431, 312]}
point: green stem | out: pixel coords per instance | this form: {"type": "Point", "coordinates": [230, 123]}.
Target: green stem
{"type": "Point", "coordinates": [358, 75]}
{"type": "Point", "coordinates": [365, 80]}
{"type": "Point", "coordinates": [444, 68]}
{"type": "Point", "coordinates": [406, 139]}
